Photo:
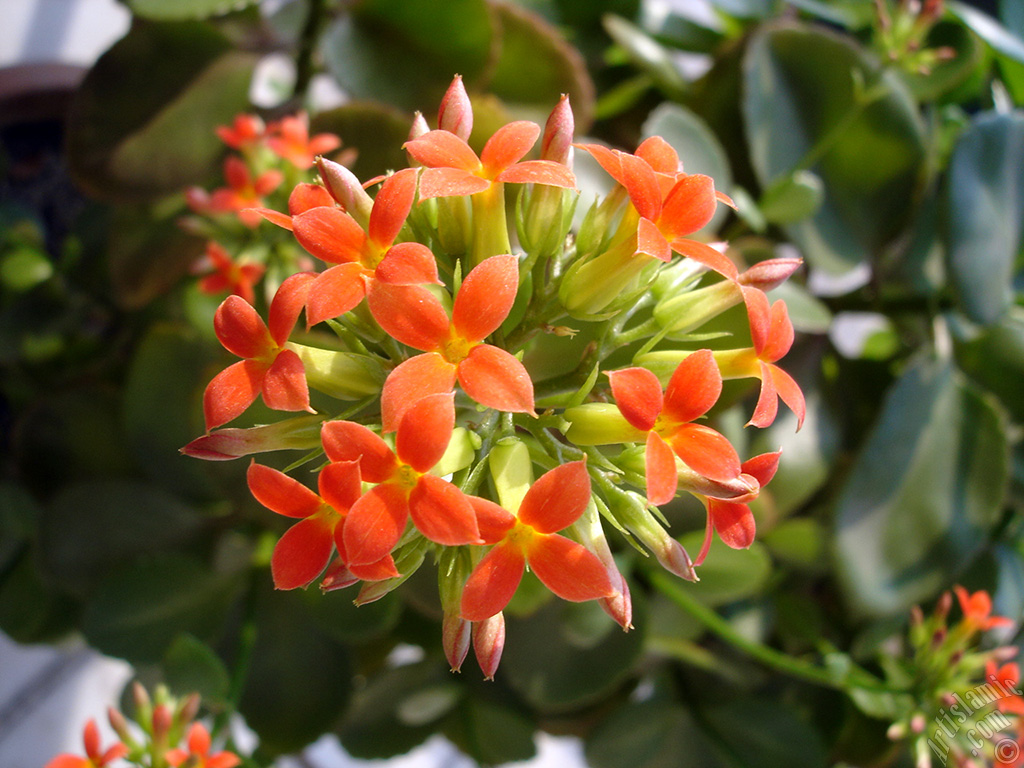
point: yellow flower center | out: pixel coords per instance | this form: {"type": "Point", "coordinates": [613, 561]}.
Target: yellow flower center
{"type": "Point", "coordinates": [457, 349]}
{"type": "Point", "coordinates": [406, 477]}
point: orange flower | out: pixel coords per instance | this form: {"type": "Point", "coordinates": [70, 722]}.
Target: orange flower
{"type": "Point", "coordinates": [666, 418]}
{"type": "Point", "coordinates": [244, 132]}
{"type": "Point", "coordinates": [228, 275]}
{"type": "Point", "coordinates": [243, 191]}
{"type": "Point", "coordinates": [198, 754]}
{"type": "Point", "coordinates": [454, 346]}
{"type": "Point", "coordinates": [289, 139]}
{"type": "Point", "coordinates": [95, 755]}
{"type": "Point", "coordinates": [1007, 677]}
{"type": "Point", "coordinates": [404, 488]}
{"type": "Point", "coordinates": [567, 568]}
{"type": "Point", "coordinates": [977, 609]}
{"type": "Point", "coordinates": [305, 549]}
{"type": "Point", "coordinates": [267, 368]}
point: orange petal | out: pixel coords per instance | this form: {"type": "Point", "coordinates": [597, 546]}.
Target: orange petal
{"type": "Point", "coordinates": [662, 477]}
{"type": "Point", "coordinates": [759, 315]}
{"type": "Point", "coordinates": [348, 441]}
{"type": "Point", "coordinates": [492, 583]}
{"type": "Point", "coordinates": [442, 513]}
{"type": "Point", "coordinates": [425, 431]}
{"type": "Point", "coordinates": [495, 378]}
{"type": "Point", "coordinates": [302, 553]}
{"type": "Point", "coordinates": [767, 407]}
{"type": "Point", "coordinates": [508, 145]}
{"type": "Point", "coordinates": [493, 520]}
{"type": "Point", "coordinates": [694, 387]}
{"type": "Point", "coordinates": [790, 393]}
{"type": "Point", "coordinates": [763, 467]}
{"type": "Point", "coordinates": [340, 485]}
{"type": "Point", "coordinates": [334, 292]}
{"type": "Point", "coordinates": [689, 206]}
{"type": "Point", "coordinates": [659, 154]}
{"type": "Point", "coordinates": [378, 571]}
{"type": "Point", "coordinates": [286, 305]}
{"type": "Point", "coordinates": [568, 569]}
{"type": "Point", "coordinates": [734, 523]}
{"type": "Point", "coordinates": [306, 196]}
{"type": "Point", "coordinates": [780, 334]}
{"type": "Point", "coordinates": [240, 328]}
{"type": "Point", "coordinates": [706, 452]}
{"type": "Point", "coordinates": [408, 264]}
{"type": "Point", "coordinates": [375, 523]}
{"type": "Point", "coordinates": [638, 396]}
{"type": "Point", "coordinates": [280, 493]}
{"type": "Point", "coordinates": [391, 207]}
{"type": "Point", "coordinates": [284, 386]}
{"type": "Point", "coordinates": [557, 498]}
{"type": "Point", "coordinates": [486, 297]}
{"type": "Point", "coordinates": [539, 172]}
{"type": "Point", "coordinates": [329, 234]}
{"type": "Point", "coordinates": [642, 185]}
{"type": "Point", "coordinates": [651, 242]}
{"type": "Point", "coordinates": [450, 182]}
{"type": "Point", "coordinates": [442, 149]}
{"type": "Point", "coordinates": [609, 159]}
{"type": "Point", "coordinates": [706, 255]}
{"type": "Point", "coordinates": [410, 314]}
{"type": "Point", "coordinates": [411, 381]}
{"type": "Point", "coordinates": [232, 391]}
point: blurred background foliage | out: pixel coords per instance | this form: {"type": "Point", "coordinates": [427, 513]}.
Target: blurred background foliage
{"type": "Point", "coordinates": [884, 147]}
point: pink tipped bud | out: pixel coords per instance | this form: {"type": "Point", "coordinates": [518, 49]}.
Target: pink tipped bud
{"type": "Point", "coordinates": [943, 605]}
{"type": "Point", "coordinates": [162, 721]}
{"type": "Point", "coordinates": [557, 142]}
{"type": "Point", "coordinates": [189, 709]}
{"type": "Point", "coordinates": [916, 616]}
{"type": "Point", "coordinates": [141, 698]}
{"type": "Point", "coordinates": [1004, 653]}
{"type": "Point", "coordinates": [770, 273]}
{"type": "Point", "coordinates": [299, 433]}
{"type": "Point", "coordinates": [419, 126]}
{"type": "Point", "coordinates": [740, 489]}
{"type": "Point", "coordinates": [119, 723]}
{"type": "Point", "coordinates": [488, 643]}
{"type": "Point", "coordinates": [456, 634]}
{"type": "Point", "coordinates": [345, 188]}
{"type": "Point", "coordinates": [675, 559]}
{"type": "Point", "coordinates": [337, 577]}
{"type": "Point", "coordinates": [456, 112]}
{"type": "Point", "coordinates": [620, 605]}
{"type": "Point", "coordinates": [918, 723]}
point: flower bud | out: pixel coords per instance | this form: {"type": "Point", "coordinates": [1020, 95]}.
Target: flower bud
{"type": "Point", "coordinates": [459, 454]}
{"type": "Point", "coordinates": [488, 643]}
{"type": "Point", "coordinates": [407, 562]}
{"type": "Point", "coordinates": [163, 719]}
{"type": "Point", "coordinates": [558, 132]}
{"type": "Point", "coordinates": [769, 274]}
{"type": "Point", "coordinates": [337, 576]}
{"type": "Point", "coordinates": [456, 112]}
{"type": "Point", "coordinates": [595, 288]}
{"type": "Point", "coordinates": [682, 313]}
{"type": "Point", "coordinates": [120, 725]}
{"type": "Point", "coordinates": [600, 424]}
{"type": "Point", "coordinates": [590, 533]}
{"type": "Point", "coordinates": [346, 189]}
{"type": "Point", "coordinates": [512, 471]}
{"type": "Point", "coordinates": [343, 375]}
{"type": "Point", "coordinates": [298, 433]}
{"type": "Point", "coordinates": [188, 709]}
{"type": "Point", "coordinates": [456, 634]}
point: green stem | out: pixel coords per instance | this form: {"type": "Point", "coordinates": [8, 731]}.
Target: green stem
{"type": "Point", "coordinates": [307, 47]}
{"type": "Point", "coordinates": [812, 673]}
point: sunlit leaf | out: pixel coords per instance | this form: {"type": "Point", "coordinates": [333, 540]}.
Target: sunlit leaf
{"type": "Point", "coordinates": [181, 10]}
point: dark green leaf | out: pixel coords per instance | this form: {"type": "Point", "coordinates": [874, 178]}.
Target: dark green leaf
{"type": "Point", "coordinates": [650, 734]}
{"type": "Point", "coordinates": [762, 734]}
{"type": "Point", "coordinates": [994, 358]}
{"type": "Point", "coordinates": [375, 132]}
{"type": "Point", "coordinates": [299, 679]}
{"type": "Point", "coordinates": [405, 52]}
{"type": "Point", "coordinates": [799, 543]}
{"type": "Point", "coordinates": [553, 668]}
{"type": "Point", "coordinates": [491, 733]}
{"type": "Point", "coordinates": [727, 574]}
{"type": "Point", "coordinates": [31, 610]}
{"type": "Point", "coordinates": [985, 198]}
{"type": "Point", "coordinates": [989, 30]}
{"type": "Point", "coordinates": [340, 618]}
{"type": "Point", "coordinates": [142, 123]}
{"type": "Point", "coordinates": [648, 55]}
{"type": "Point", "coordinates": [139, 609]}
{"type": "Point", "coordinates": [792, 198]}
{"type": "Point", "coordinates": [924, 492]}
{"type": "Point", "coordinates": [182, 10]}
{"type": "Point", "coordinates": [190, 666]}
{"type": "Point", "coordinates": [18, 515]}
{"type": "Point", "coordinates": [815, 101]}
{"type": "Point", "coordinates": [88, 528]}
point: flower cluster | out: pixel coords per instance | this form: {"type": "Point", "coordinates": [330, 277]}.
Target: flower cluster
{"type": "Point", "coordinates": [166, 736]}
{"type": "Point", "coordinates": [429, 316]}
{"type": "Point", "coordinates": [964, 705]}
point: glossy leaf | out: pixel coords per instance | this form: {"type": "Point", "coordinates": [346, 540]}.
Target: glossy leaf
{"type": "Point", "coordinates": [142, 123]}
{"type": "Point", "coordinates": [924, 492]}
{"type": "Point", "coordinates": [985, 199]}
{"type": "Point", "coordinates": [815, 101]}
{"type": "Point", "coordinates": [181, 10]}
{"type": "Point", "coordinates": [190, 666]}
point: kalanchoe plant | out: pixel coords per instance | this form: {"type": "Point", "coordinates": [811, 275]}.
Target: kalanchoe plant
{"type": "Point", "coordinates": [430, 305]}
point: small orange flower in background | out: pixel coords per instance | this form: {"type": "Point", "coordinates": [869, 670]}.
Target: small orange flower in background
{"type": "Point", "coordinates": [530, 537]}
{"type": "Point", "coordinates": [977, 610]}
{"type": "Point", "coordinates": [95, 755]}
{"type": "Point", "coordinates": [229, 275]}
{"type": "Point", "coordinates": [198, 754]}
{"type": "Point", "coordinates": [289, 138]}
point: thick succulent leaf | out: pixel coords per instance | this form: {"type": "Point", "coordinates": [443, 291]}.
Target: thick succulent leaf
{"type": "Point", "coordinates": [182, 10]}
{"type": "Point", "coordinates": [924, 493]}
{"type": "Point", "coordinates": [142, 123]}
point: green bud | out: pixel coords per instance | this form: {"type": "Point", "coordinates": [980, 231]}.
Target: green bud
{"type": "Point", "coordinates": [681, 313]}
{"type": "Point", "coordinates": [512, 471]}
{"type": "Point", "coordinates": [459, 454]}
{"type": "Point", "coordinates": [344, 375]}
{"type": "Point", "coordinates": [600, 424]}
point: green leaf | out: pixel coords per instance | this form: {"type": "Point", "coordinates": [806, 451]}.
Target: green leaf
{"type": "Point", "coordinates": [792, 198]}
{"type": "Point", "coordinates": [924, 492]}
{"type": "Point", "coordinates": [985, 220]}
{"type": "Point", "coordinates": [341, 619]}
{"type": "Point", "coordinates": [405, 52]}
{"type": "Point", "coordinates": [815, 101]}
{"type": "Point", "coordinates": [555, 667]}
{"type": "Point", "coordinates": [138, 610]}
{"type": "Point", "coordinates": [190, 666]}
{"type": "Point", "coordinates": [373, 728]}
{"type": "Point", "coordinates": [762, 732]}
{"type": "Point", "coordinates": [490, 732]}
{"type": "Point", "coordinates": [648, 55]}
{"type": "Point", "coordinates": [650, 734]}
{"type": "Point", "coordinates": [799, 543]}
{"type": "Point", "coordinates": [22, 268]}
{"type": "Point", "coordinates": [31, 609]}
{"type": "Point", "coordinates": [994, 358]}
{"type": "Point", "coordinates": [142, 123]}
{"type": "Point", "coordinates": [698, 148]}
{"type": "Point", "coordinates": [18, 515]}
{"type": "Point", "coordinates": [182, 10]}
{"type": "Point", "coordinates": [374, 131]}
{"type": "Point", "coordinates": [989, 30]}
{"type": "Point", "coordinates": [299, 679]}
{"type": "Point", "coordinates": [88, 528]}
{"type": "Point", "coordinates": [536, 66]}
{"type": "Point", "coordinates": [728, 574]}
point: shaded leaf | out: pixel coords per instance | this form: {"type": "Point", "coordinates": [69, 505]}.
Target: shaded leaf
{"type": "Point", "coordinates": [650, 734]}
{"type": "Point", "coordinates": [985, 220]}
{"type": "Point", "coordinates": [728, 574]}
{"type": "Point", "coordinates": [490, 732]}
{"type": "Point", "coordinates": [181, 10]}
{"type": "Point", "coordinates": [374, 131]}
{"type": "Point", "coordinates": [142, 123]}
{"type": "Point", "coordinates": [762, 734]}
{"type": "Point", "coordinates": [988, 29]}
{"type": "Point", "coordinates": [31, 609]}
{"type": "Point", "coordinates": [341, 619]}
{"type": "Point", "coordinates": [924, 492]}
{"type": "Point", "coordinates": [190, 666]}
{"type": "Point", "coordinates": [994, 358]}
{"type": "Point", "coordinates": [648, 55]}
